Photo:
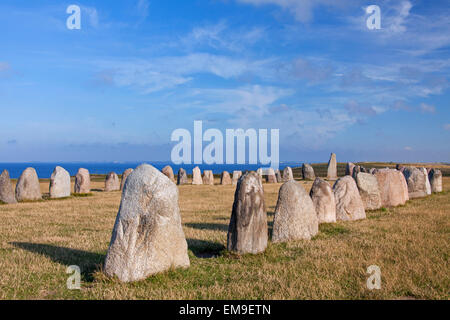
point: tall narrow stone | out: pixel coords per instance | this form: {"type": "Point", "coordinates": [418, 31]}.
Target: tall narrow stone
{"type": "Point", "coordinates": [247, 232]}
{"type": "Point", "coordinates": [182, 177]}
{"type": "Point", "coordinates": [417, 182]}
{"type": "Point", "coordinates": [278, 176]}
{"type": "Point", "coordinates": [125, 175]}
{"type": "Point", "coordinates": [168, 171]}
{"type": "Point", "coordinates": [287, 174]}
{"type": "Point", "coordinates": [323, 198]}
{"type": "Point", "coordinates": [349, 205]}
{"type": "Point", "coordinates": [332, 168]}
{"type": "Point", "coordinates": [435, 177]}
{"type": "Point", "coordinates": [112, 182]}
{"type": "Point", "coordinates": [349, 169]}
{"type": "Point", "coordinates": [6, 189]}
{"type": "Point", "coordinates": [427, 181]}
{"type": "Point", "coordinates": [225, 178]}
{"type": "Point", "coordinates": [208, 177]}
{"type": "Point", "coordinates": [197, 176]}
{"type": "Point", "coordinates": [59, 183]}
{"type": "Point", "coordinates": [236, 175]}
{"type": "Point", "coordinates": [82, 181]}
{"type": "Point", "coordinates": [271, 177]}
{"type": "Point", "coordinates": [27, 187]}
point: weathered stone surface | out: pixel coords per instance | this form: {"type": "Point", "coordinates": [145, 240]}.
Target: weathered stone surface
{"type": "Point", "coordinates": [369, 190]}
{"type": "Point", "coordinates": [332, 168]}
{"type": "Point", "coordinates": [112, 182]}
{"type": "Point", "coordinates": [197, 176]}
{"type": "Point", "coordinates": [27, 187]}
{"type": "Point", "coordinates": [6, 188]}
{"type": "Point", "coordinates": [356, 170]}
{"type": "Point", "coordinates": [364, 169]}
{"type": "Point", "coordinates": [236, 175]}
{"type": "Point", "coordinates": [373, 170]}
{"type": "Point", "coordinates": [417, 182]}
{"type": "Point", "coordinates": [323, 198]}
{"type": "Point", "coordinates": [308, 172]}
{"type": "Point", "coordinates": [260, 173]}
{"type": "Point", "coordinates": [349, 169]}
{"type": "Point", "coordinates": [295, 216]}
{"type": "Point", "coordinates": [82, 181]}
{"type": "Point", "coordinates": [208, 177]}
{"type": "Point", "coordinates": [59, 183]}
{"type": "Point", "coordinates": [392, 186]}
{"type": "Point", "coordinates": [168, 172]}
{"type": "Point", "coordinates": [125, 175]}
{"type": "Point", "coordinates": [225, 178]}
{"type": "Point", "coordinates": [147, 237]}
{"type": "Point", "coordinates": [435, 177]}
{"type": "Point", "coordinates": [278, 175]}
{"type": "Point", "coordinates": [271, 177]}
{"type": "Point", "coordinates": [427, 181]}
{"type": "Point", "coordinates": [349, 205]}
{"type": "Point", "coordinates": [247, 232]}
{"type": "Point", "coordinates": [287, 174]}
{"type": "Point", "coordinates": [182, 177]}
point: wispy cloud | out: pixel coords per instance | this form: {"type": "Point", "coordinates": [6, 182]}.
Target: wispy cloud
{"type": "Point", "coordinates": [427, 108]}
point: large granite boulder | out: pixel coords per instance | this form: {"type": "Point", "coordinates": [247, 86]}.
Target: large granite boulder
{"type": "Point", "coordinates": [59, 183]}
{"type": "Point", "coordinates": [208, 177]}
{"type": "Point", "coordinates": [435, 177]}
{"type": "Point", "coordinates": [417, 182]}
{"type": "Point", "coordinates": [82, 181]}
{"type": "Point", "coordinates": [295, 217]}
{"type": "Point", "coordinates": [349, 169]}
{"type": "Point", "coordinates": [332, 168]}
{"type": "Point", "coordinates": [225, 178]}
{"type": "Point", "coordinates": [427, 180]}
{"type": "Point", "coordinates": [236, 175]}
{"type": "Point", "coordinates": [197, 176]}
{"type": "Point", "coordinates": [323, 199]}
{"type": "Point", "coordinates": [392, 186]}
{"type": "Point", "coordinates": [27, 187]}
{"type": "Point", "coordinates": [6, 189]}
{"type": "Point", "coordinates": [182, 177]}
{"type": "Point", "coordinates": [287, 174]}
{"type": "Point", "coordinates": [147, 237]}
{"type": "Point", "coordinates": [125, 175]}
{"type": "Point", "coordinates": [349, 205]}
{"type": "Point", "coordinates": [308, 172]}
{"type": "Point", "coordinates": [248, 232]}
{"type": "Point", "coordinates": [369, 190]}
{"type": "Point", "coordinates": [112, 182]}
{"type": "Point", "coordinates": [168, 172]}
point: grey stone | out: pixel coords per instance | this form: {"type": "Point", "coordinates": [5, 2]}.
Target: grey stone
{"type": "Point", "coordinates": [271, 177]}
{"type": "Point", "coordinates": [308, 172]}
{"type": "Point", "coordinates": [287, 174]}
{"type": "Point", "coordinates": [168, 171]}
{"type": "Point", "coordinates": [112, 182]}
{"type": "Point", "coordinates": [82, 181]}
{"type": "Point", "coordinates": [349, 205]}
{"type": "Point", "coordinates": [182, 177]}
{"type": "Point", "coordinates": [197, 176]}
{"type": "Point", "coordinates": [208, 177]}
{"type": "Point", "coordinates": [349, 169]}
{"type": "Point", "coordinates": [27, 187]}
{"type": "Point", "coordinates": [59, 183]}
{"type": "Point", "coordinates": [369, 190]}
{"type": "Point", "coordinates": [332, 168]}
{"type": "Point", "coordinates": [427, 181]}
{"type": "Point", "coordinates": [236, 175]}
{"type": "Point", "coordinates": [6, 188]}
{"type": "Point", "coordinates": [323, 198]}
{"type": "Point", "coordinates": [417, 182]}
{"type": "Point", "coordinates": [435, 177]}
{"type": "Point", "coordinates": [278, 176]}
{"type": "Point", "coordinates": [125, 175]}
{"type": "Point", "coordinates": [392, 186]}
{"type": "Point", "coordinates": [225, 178]}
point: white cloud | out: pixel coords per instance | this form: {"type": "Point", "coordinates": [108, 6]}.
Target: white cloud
{"type": "Point", "coordinates": [427, 108]}
{"type": "Point", "coordinates": [408, 148]}
{"type": "Point", "coordinates": [396, 23]}
{"type": "Point", "coordinates": [92, 15]}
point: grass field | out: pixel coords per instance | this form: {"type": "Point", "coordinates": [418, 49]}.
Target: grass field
{"type": "Point", "coordinates": [411, 245]}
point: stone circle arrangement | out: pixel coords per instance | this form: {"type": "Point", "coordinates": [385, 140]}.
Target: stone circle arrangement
{"type": "Point", "coordinates": [148, 237]}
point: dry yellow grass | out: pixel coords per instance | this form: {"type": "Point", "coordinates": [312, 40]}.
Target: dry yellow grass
{"type": "Point", "coordinates": [410, 244]}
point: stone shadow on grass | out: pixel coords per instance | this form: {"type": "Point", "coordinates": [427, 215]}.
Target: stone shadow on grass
{"type": "Point", "coordinates": [209, 226]}
{"type": "Point", "coordinates": [89, 262]}
{"type": "Point", "coordinates": [205, 249]}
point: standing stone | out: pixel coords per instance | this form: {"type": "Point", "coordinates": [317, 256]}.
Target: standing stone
{"type": "Point", "coordinates": [147, 237]}
{"type": "Point", "coordinates": [308, 172]}
{"type": "Point", "coordinates": [435, 177]}
{"type": "Point", "coordinates": [236, 176]}
{"type": "Point", "coordinates": [260, 173]}
{"type": "Point", "coordinates": [82, 181]}
{"type": "Point", "coordinates": [373, 170]}
{"type": "Point", "coordinates": [197, 176]}
{"type": "Point", "coordinates": [278, 175]}
{"type": "Point", "coordinates": [182, 177]}
{"type": "Point", "coordinates": [416, 180]}
{"type": "Point", "coordinates": [356, 170]}
{"type": "Point", "coordinates": [60, 183]}
{"type": "Point", "coordinates": [369, 190]}
{"type": "Point", "coordinates": [208, 177]}
{"type": "Point", "coordinates": [332, 168]}
{"type": "Point", "coordinates": [427, 181]}
{"type": "Point", "coordinates": [112, 182]}
{"type": "Point", "coordinates": [287, 174]}
{"type": "Point", "coordinates": [323, 198]}
{"type": "Point", "coordinates": [27, 187]}
{"type": "Point", "coordinates": [271, 177]}
{"type": "Point", "coordinates": [247, 232]}
{"type": "Point", "coordinates": [295, 217]}
{"type": "Point", "coordinates": [125, 175]}
{"type": "Point", "coordinates": [225, 178]}
{"type": "Point", "coordinates": [392, 186]}
{"type": "Point", "coordinates": [6, 189]}
{"type": "Point", "coordinates": [349, 205]}
{"type": "Point", "coordinates": [349, 169]}
{"type": "Point", "coordinates": [168, 171]}
{"type": "Point", "coordinates": [364, 170]}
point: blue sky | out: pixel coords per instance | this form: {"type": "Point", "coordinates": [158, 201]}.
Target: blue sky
{"type": "Point", "coordinates": [137, 70]}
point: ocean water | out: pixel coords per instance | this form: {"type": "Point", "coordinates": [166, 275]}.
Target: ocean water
{"type": "Point", "coordinates": [44, 169]}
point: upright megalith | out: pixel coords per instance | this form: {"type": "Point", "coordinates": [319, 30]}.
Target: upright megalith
{"type": "Point", "coordinates": [168, 172]}
{"type": "Point", "coordinates": [59, 183]}
{"type": "Point", "coordinates": [197, 176]}
{"type": "Point", "coordinates": [236, 175]}
{"type": "Point", "coordinates": [295, 216]}
{"type": "Point", "coordinates": [332, 168]}
{"type": "Point", "coordinates": [112, 182]}
{"type": "Point", "coordinates": [248, 232]}
{"type": "Point", "coordinates": [225, 178]}
{"type": "Point", "coordinates": [349, 169]}
{"type": "Point", "coordinates": [427, 181]}
{"type": "Point", "coordinates": [82, 181]}
{"type": "Point", "coordinates": [323, 199]}
{"type": "Point", "coordinates": [278, 176]}
{"type": "Point", "coordinates": [27, 187]}
{"type": "Point", "coordinates": [349, 205]}
{"type": "Point", "coordinates": [182, 177]}
{"type": "Point", "coordinates": [369, 190]}
{"type": "Point", "coordinates": [287, 174]}
{"type": "Point", "coordinates": [147, 237]}
{"type": "Point", "coordinates": [6, 189]}
{"type": "Point", "coordinates": [208, 177]}
{"type": "Point", "coordinates": [125, 175]}
{"type": "Point", "coordinates": [271, 177]}
{"type": "Point", "coordinates": [392, 186]}
{"type": "Point", "coordinates": [435, 177]}
{"type": "Point", "coordinates": [417, 182]}
{"type": "Point", "coordinates": [308, 172]}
